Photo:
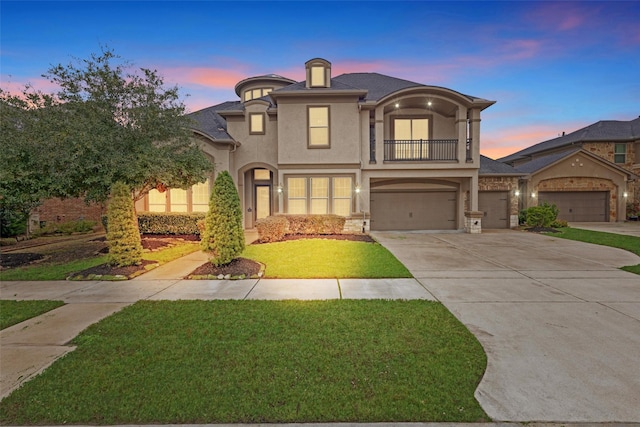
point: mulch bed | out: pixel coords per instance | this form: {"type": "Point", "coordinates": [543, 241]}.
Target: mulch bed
{"type": "Point", "coordinates": [18, 259]}
{"type": "Point", "coordinates": [541, 230]}
{"type": "Point", "coordinates": [352, 237]}
{"type": "Point", "coordinates": [236, 268]}
{"type": "Point", "coordinates": [107, 270]}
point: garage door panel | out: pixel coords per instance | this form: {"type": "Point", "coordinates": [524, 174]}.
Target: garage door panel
{"type": "Point", "coordinates": [413, 211]}
{"type": "Point", "coordinates": [579, 206]}
{"type": "Point", "coordinates": [495, 205]}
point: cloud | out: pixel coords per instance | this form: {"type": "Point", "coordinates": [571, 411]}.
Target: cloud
{"type": "Point", "coordinates": [564, 16]}
{"type": "Point", "coordinates": [211, 77]}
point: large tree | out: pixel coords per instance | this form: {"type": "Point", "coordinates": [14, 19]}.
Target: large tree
{"type": "Point", "coordinates": [107, 122]}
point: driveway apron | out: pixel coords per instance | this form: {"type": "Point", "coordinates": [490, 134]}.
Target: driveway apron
{"type": "Point", "coordinates": [560, 323]}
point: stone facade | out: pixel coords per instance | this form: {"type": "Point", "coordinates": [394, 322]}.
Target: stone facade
{"type": "Point", "coordinates": [606, 150]}
{"type": "Point", "coordinates": [502, 183]}
{"type": "Point", "coordinates": [583, 184]}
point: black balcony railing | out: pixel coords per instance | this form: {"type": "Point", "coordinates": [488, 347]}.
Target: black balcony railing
{"type": "Point", "coordinates": [420, 150]}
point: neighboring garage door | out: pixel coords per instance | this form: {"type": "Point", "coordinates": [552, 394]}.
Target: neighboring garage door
{"type": "Point", "coordinates": [427, 210]}
{"type": "Point", "coordinates": [579, 206]}
{"type": "Point", "coordinates": [495, 205]}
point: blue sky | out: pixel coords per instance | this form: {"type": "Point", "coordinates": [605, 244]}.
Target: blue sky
{"type": "Point", "coordinates": [551, 66]}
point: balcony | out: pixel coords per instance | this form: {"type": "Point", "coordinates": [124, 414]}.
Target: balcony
{"type": "Point", "coordinates": [420, 150]}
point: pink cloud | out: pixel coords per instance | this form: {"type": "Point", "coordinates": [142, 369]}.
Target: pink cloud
{"type": "Point", "coordinates": [204, 76]}
{"type": "Point", "coordinates": [564, 16]}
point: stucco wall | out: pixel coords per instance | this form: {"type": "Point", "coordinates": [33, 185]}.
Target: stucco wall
{"type": "Point", "coordinates": [344, 128]}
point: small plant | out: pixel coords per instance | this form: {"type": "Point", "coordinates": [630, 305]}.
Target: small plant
{"type": "Point", "coordinates": [541, 216]}
{"type": "Point", "coordinates": [123, 236]}
{"type": "Point", "coordinates": [12, 223]}
{"type": "Point", "coordinates": [633, 210]}
{"type": "Point", "coordinates": [223, 233]}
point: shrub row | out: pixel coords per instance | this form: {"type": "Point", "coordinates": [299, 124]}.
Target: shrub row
{"type": "Point", "coordinates": [167, 222]}
{"type": "Point", "coordinates": [274, 228]}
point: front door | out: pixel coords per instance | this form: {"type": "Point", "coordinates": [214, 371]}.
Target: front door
{"type": "Point", "coordinates": [263, 201]}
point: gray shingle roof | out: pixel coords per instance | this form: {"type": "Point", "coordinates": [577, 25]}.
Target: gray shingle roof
{"type": "Point", "coordinates": [604, 130]}
{"type": "Point", "coordinates": [541, 162]}
{"type": "Point", "coordinates": [213, 124]}
{"type": "Point", "coordinates": [493, 167]}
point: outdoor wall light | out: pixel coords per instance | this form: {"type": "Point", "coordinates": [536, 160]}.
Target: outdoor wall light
{"type": "Point", "coordinates": [625, 195]}
{"type": "Point", "coordinates": [280, 188]}
{"type": "Point", "coordinates": [397, 105]}
{"type": "Point", "coordinates": [517, 193]}
{"type": "Point", "coordinates": [429, 103]}
{"type": "Point", "coordinates": [358, 189]}
{"type": "Point", "coordinates": [533, 195]}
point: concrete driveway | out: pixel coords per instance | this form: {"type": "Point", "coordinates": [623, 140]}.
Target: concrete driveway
{"type": "Point", "coordinates": [560, 323]}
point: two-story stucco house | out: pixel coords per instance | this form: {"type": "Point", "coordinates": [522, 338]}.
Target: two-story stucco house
{"type": "Point", "coordinates": [590, 174]}
{"type": "Point", "coordinates": [391, 153]}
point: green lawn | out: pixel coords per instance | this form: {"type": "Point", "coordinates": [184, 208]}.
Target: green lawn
{"type": "Point", "coordinates": [324, 258]}
{"type": "Point", "coordinates": [62, 271]}
{"type": "Point", "coordinates": [629, 243]}
{"type": "Point", "coordinates": [14, 312]}
{"type": "Point", "coordinates": [51, 271]}
{"type": "Point", "coordinates": [261, 362]}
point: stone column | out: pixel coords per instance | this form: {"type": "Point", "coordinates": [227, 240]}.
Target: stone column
{"type": "Point", "coordinates": [473, 222]}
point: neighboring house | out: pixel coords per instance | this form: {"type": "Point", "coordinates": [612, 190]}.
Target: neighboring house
{"type": "Point", "coordinates": [387, 153]}
{"type": "Point", "coordinates": [590, 174]}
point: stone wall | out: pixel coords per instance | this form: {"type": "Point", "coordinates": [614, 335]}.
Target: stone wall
{"type": "Point", "coordinates": [584, 184]}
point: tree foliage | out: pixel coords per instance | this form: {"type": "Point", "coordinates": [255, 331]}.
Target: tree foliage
{"type": "Point", "coordinates": [107, 122]}
{"type": "Point", "coordinates": [223, 234]}
{"type": "Point", "coordinates": [123, 235]}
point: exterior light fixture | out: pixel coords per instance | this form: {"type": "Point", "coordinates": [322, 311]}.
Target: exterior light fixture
{"type": "Point", "coordinates": [280, 189]}
{"type": "Point", "coordinates": [533, 194]}
{"type": "Point", "coordinates": [429, 103]}
{"type": "Point", "coordinates": [625, 195]}
{"type": "Point", "coordinates": [517, 193]}
{"type": "Point", "coordinates": [358, 189]}
{"type": "Point", "coordinates": [397, 105]}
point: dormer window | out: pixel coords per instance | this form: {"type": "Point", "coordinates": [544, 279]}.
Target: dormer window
{"type": "Point", "coordinates": [318, 73]}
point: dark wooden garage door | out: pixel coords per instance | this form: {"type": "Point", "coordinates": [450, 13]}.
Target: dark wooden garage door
{"type": "Point", "coordinates": [414, 210]}
{"type": "Point", "coordinates": [495, 205]}
{"type": "Point", "coordinates": [579, 206]}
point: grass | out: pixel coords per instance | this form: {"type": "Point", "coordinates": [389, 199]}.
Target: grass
{"type": "Point", "coordinates": [197, 362]}
{"type": "Point", "coordinates": [620, 241]}
{"type": "Point", "coordinates": [320, 258]}
{"type": "Point", "coordinates": [51, 271]}
{"type": "Point", "coordinates": [62, 271]}
{"type": "Point", "coordinates": [169, 254]}
{"type": "Point", "coordinates": [14, 312]}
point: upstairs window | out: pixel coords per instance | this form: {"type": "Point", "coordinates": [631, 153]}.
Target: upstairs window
{"type": "Point", "coordinates": [318, 127]}
{"type": "Point", "coordinates": [620, 153]}
{"type": "Point", "coordinates": [256, 124]}
{"type": "Point", "coordinates": [411, 135]}
{"type": "Point", "coordinates": [318, 76]}
{"type": "Point", "coordinates": [256, 93]}
{"type": "Point", "coordinates": [318, 72]}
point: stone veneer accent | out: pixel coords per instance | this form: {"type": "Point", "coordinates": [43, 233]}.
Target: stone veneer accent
{"type": "Point", "coordinates": [583, 184]}
{"type": "Point", "coordinates": [606, 150]}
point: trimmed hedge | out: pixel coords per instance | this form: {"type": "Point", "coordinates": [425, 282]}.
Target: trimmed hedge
{"type": "Point", "coordinates": [274, 228]}
{"type": "Point", "coordinates": [167, 222]}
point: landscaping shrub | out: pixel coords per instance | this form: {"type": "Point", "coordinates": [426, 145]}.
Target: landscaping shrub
{"type": "Point", "coordinates": [223, 234]}
{"type": "Point", "coordinates": [12, 223]}
{"type": "Point", "coordinates": [68, 227]}
{"type": "Point", "coordinates": [559, 223]}
{"type": "Point", "coordinates": [272, 228]}
{"type": "Point", "coordinates": [315, 224]}
{"type": "Point", "coordinates": [169, 222]}
{"type": "Point", "coordinates": [541, 216]}
{"type": "Point", "coordinates": [123, 236]}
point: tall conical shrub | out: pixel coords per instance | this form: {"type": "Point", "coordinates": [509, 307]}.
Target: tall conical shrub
{"type": "Point", "coordinates": [223, 233]}
{"type": "Point", "coordinates": [123, 235]}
